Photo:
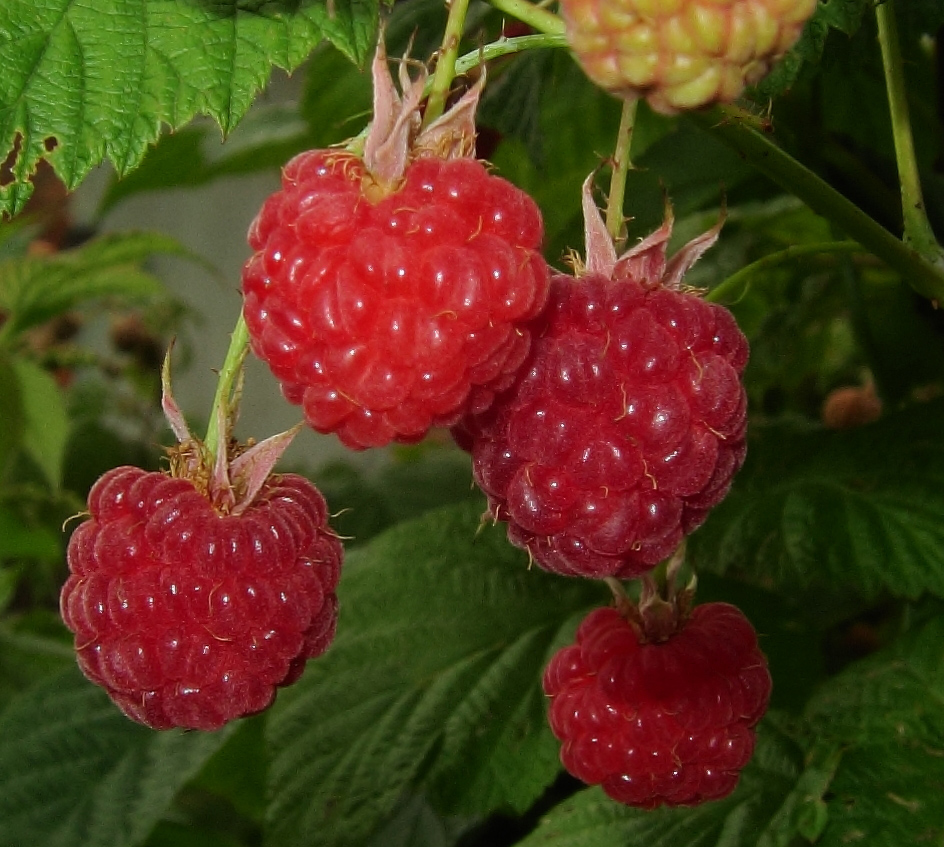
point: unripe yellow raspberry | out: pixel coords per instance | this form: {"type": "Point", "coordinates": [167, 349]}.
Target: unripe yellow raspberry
{"type": "Point", "coordinates": [682, 54]}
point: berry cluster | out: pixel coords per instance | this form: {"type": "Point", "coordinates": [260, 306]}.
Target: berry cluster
{"type": "Point", "coordinates": [191, 618]}
{"type": "Point", "coordinates": [659, 722]}
{"type": "Point", "coordinates": [398, 285]}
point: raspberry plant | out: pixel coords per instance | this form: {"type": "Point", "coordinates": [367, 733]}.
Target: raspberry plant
{"type": "Point", "coordinates": [439, 714]}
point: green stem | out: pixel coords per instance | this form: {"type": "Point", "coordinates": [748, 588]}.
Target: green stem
{"type": "Point", "coordinates": [446, 63]}
{"type": "Point", "coordinates": [731, 290]}
{"type": "Point", "coordinates": [536, 17]}
{"type": "Point", "coordinates": [917, 228]}
{"type": "Point", "coordinates": [475, 58]}
{"type": "Point", "coordinates": [506, 47]}
{"type": "Point", "coordinates": [232, 364]}
{"type": "Point", "coordinates": [621, 166]}
{"type": "Point", "coordinates": [758, 150]}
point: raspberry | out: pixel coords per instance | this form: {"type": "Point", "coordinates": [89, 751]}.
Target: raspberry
{"type": "Point", "coordinates": [659, 722]}
{"type": "Point", "coordinates": [682, 54]}
{"type": "Point", "coordinates": [387, 299]}
{"type": "Point", "coordinates": [627, 422]}
{"type": "Point", "coordinates": [188, 617]}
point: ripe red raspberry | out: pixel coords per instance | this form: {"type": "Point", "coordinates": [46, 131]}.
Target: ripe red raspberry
{"type": "Point", "coordinates": [627, 422]}
{"type": "Point", "coordinates": [188, 617]}
{"type": "Point", "coordinates": [659, 722]}
{"type": "Point", "coordinates": [389, 292]}
{"type": "Point", "coordinates": [682, 54]}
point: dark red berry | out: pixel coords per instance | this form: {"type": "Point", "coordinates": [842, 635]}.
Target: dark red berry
{"type": "Point", "coordinates": [625, 426]}
{"type": "Point", "coordinates": [191, 618]}
{"type": "Point", "coordinates": [655, 723]}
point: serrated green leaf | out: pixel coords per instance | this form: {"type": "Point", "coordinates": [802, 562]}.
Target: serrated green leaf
{"type": "Point", "coordinates": [434, 680]}
{"type": "Point", "coordinates": [172, 834]}
{"type": "Point", "coordinates": [895, 694]}
{"type": "Point", "coordinates": [85, 82]}
{"type": "Point", "coordinates": [591, 819]}
{"type": "Point", "coordinates": [35, 289]}
{"type": "Point", "coordinates": [237, 771]}
{"type": "Point", "coordinates": [888, 712]}
{"type": "Point", "coordinates": [886, 795]}
{"type": "Point", "coordinates": [45, 419]}
{"type": "Point", "coordinates": [828, 507]}
{"type": "Point", "coordinates": [266, 138]}
{"type": "Point", "coordinates": [74, 772]}
{"type": "Point", "coordinates": [336, 105]}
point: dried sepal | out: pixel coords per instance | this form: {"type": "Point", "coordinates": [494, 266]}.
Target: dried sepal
{"type": "Point", "coordinates": [396, 136]}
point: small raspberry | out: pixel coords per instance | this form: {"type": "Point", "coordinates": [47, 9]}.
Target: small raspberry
{"type": "Point", "coordinates": [682, 54]}
{"type": "Point", "coordinates": [627, 422]}
{"type": "Point", "coordinates": [191, 618]}
{"type": "Point", "coordinates": [659, 722]}
{"type": "Point", "coordinates": [389, 292]}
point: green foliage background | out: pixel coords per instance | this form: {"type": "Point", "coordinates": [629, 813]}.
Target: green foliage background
{"type": "Point", "coordinates": [424, 724]}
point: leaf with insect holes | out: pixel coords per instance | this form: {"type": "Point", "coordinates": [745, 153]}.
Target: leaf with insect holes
{"type": "Point", "coordinates": [85, 82]}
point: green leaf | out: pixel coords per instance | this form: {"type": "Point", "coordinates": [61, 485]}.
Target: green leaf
{"type": "Point", "coordinates": [887, 712]}
{"type": "Point", "coordinates": [367, 504]}
{"type": "Point", "coordinates": [434, 680]}
{"type": "Point", "coordinates": [815, 507]}
{"type": "Point", "coordinates": [591, 819]}
{"type": "Point", "coordinates": [84, 82]}
{"type": "Point", "coordinates": [35, 289]}
{"type": "Point", "coordinates": [336, 105]}
{"type": "Point", "coordinates": [19, 540]}
{"type": "Point", "coordinates": [11, 419]}
{"type": "Point", "coordinates": [895, 694]}
{"type": "Point", "coordinates": [416, 824]}
{"type": "Point", "coordinates": [9, 579]}
{"type": "Point", "coordinates": [32, 647]}
{"type": "Point", "coordinates": [266, 138]}
{"type": "Point", "coordinates": [887, 795]}
{"type": "Point", "coordinates": [74, 772]}
{"type": "Point", "coordinates": [843, 15]}
{"type": "Point", "coordinates": [237, 771]}
{"type": "Point", "coordinates": [46, 421]}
